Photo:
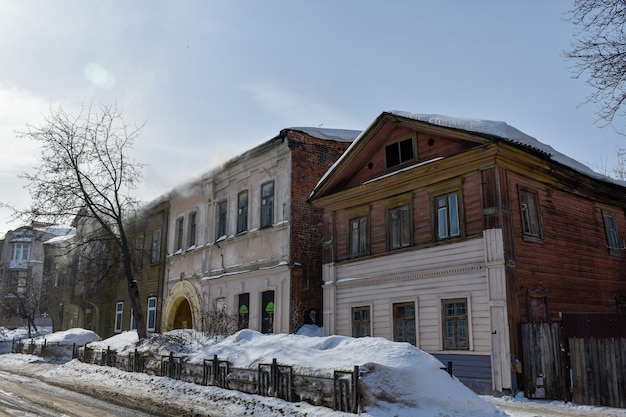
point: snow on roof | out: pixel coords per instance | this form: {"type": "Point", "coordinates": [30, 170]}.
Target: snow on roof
{"type": "Point", "coordinates": [57, 229]}
{"type": "Point", "coordinates": [339, 135]}
{"type": "Point", "coordinates": [507, 132]}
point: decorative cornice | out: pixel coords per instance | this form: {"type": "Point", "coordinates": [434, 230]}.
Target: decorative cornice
{"type": "Point", "coordinates": [408, 276]}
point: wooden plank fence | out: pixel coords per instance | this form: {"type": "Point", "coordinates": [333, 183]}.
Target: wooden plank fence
{"type": "Point", "coordinates": [599, 371]}
{"type": "Point", "coordinates": [566, 361]}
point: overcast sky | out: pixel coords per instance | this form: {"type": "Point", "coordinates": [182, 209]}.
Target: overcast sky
{"type": "Point", "coordinates": [212, 79]}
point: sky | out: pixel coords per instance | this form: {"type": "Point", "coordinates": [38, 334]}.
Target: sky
{"type": "Point", "coordinates": [212, 79]}
{"type": "Point", "coordinates": [415, 381]}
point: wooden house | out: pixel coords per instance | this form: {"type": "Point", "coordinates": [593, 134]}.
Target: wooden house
{"type": "Point", "coordinates": [450, 233]}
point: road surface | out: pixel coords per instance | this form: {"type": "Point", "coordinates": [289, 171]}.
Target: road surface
{"type": "Point", "coordinates": [26, 396]}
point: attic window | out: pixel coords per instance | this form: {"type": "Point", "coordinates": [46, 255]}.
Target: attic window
{"type": "Point", "coordinates": [399, 152]}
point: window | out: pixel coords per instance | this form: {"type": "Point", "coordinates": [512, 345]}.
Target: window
{"type": "Point", "coordinates": [358, 236]}
{"type": "Point", "coordinates": [447, 209]}
{"type": "Point", "coordinates": [179, 233]}
{"type": "Point", "coordinates": [267, 312]}
{"type": "Point", "coordinates": [404, 323]}
{"type": "Point", "coordinates": [267, 204]}
{"type": "Point", "coordinates": [455, 325]}
{"type": "Point", "coordinates": [20, 252]}
{"type": "Point", "coordinates": [244, 313]}
{"type": "Point", "coordinates": [156, 245]}
{"type": "Point", "coordinates": [192, 230]}
{"type": "Point", "coordinates": [152, 311]}
{"type": "Point", "coordinates": [360, 321]}
{"type": "Point", "coordinates": [242, 212]}
{"type": "Point", "coordinates": [55, 274]}
{"type": "Point", "coordinates": [133, 323]}
{"type": "Point", "coordinates": [222, 210]}
{"type": "Point", "coordinates": [399, 227]}
{"type": "Point", "coordinates": [399, 152]}
{"type": "Point", "coordinates": [119, 314]}
{"type": "Point", "coordinates": [612, 236]}
{"type": "Point", "coordinates": [529, 210]}
{"type": "Point", "coordinates": [138, 251]}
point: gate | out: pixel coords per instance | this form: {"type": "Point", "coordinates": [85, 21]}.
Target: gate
{"type": "Point", "coordinates": [580, 359]}
{"type": "Point", "coordinates": [542, 362]}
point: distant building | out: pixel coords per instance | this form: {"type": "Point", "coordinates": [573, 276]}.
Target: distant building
{"type": "Point", "coordinates": [89, 288]}
{"type": "Point", "coordinates": [449, 234]}
{"type": "Point", "coordinates": [242, 238]}
{"type": "Point", "coordinates": [23, 292]}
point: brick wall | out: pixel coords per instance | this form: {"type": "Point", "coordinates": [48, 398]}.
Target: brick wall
{"type": "Point", "coordinates": [311, 158]}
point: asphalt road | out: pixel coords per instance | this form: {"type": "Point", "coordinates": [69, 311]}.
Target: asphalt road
{"type": "Point", "coordinates": [25, 396]}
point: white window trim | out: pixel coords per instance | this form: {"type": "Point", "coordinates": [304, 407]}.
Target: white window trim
{"type": "Point", "coordinates": [357, 305]}
{"type": "Point", "coordinates": [119, 316]}
{"type": "Point", "coordinates": [417, 321]}
{"type": "Point", "coordinates": [149, 310]}
{"type": "Point", "coordinates": [470, 329]}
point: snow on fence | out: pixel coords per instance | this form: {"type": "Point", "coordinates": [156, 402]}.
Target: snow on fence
{"type": "Point", "coordinates": [340, 392]}
{"type": "Point", "coordinates": [33, 348]}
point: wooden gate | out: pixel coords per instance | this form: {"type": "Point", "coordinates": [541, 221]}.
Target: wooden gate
{"type": "Point", "coordinates": [597, 356]}
{"type": "Point", "coordinates": [582, 358]}
{"type": "Point", "coordinates": [542, 362]}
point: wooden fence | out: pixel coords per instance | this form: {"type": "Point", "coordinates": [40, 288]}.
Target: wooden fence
{"type": "Point", "coordinates": [599, 371]}
{"type": "Point", "coordinates": [581, 359]}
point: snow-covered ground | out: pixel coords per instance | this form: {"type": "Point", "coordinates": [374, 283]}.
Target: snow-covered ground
{"type": "Point", "coordinates": [397, 378]}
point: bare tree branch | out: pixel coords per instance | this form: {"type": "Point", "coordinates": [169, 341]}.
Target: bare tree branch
{"type": "Point", "coordinates": [86, 171]}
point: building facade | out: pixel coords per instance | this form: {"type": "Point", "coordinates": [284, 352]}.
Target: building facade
{"type": "Point", "coordinates": [244, 241]}
{"type": "Point", "coordinates": [24, 292]}
{"type": "Point", "coordinates": [449, 233]}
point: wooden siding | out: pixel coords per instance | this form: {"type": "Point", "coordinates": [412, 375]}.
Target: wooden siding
{"type": "Point", "coordinates": [425, 276]}
{"type": "Point", "coordinates": [572, 262]}
{"type": "Point", "coordinates": [474, 371]}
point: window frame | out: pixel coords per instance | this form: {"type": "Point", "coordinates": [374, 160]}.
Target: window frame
{"type": "Point", "coordinates": [446, 194]}
{"type": "Point", "coordinates": [530, 214]}
{"type": "Point", "coordinates": [139, 244]}
{"type": "Point", "coordinates": [55, 275]}
{"type": "Point", "coordinates": [222, 219]}
{"type": "Point", "coordinates": [445, 318]}
{"type": "Point", "coordinates": [156, 245]}
{"type": "Point", "coordinates": [612, 233]}
{"type": "Point", "coordinates": [180, 223]}
{"type": "Point", "coordinates": [242, 211]}
{"type": "Point", "coordinates": [402, 228]}
{"type": "Point", "coordinates": [24, 248]}
{"type": "Point", "coordinates": [268, 320]}
{"type": "Point", "coordinates": [119, 316]}
{"type": "Point", "coordinates": [192, 229]}
{"type": "Point", "coordinates": [151, 314]}
{"type": "Point", "coordinates": [267, 204]}
{"type": "Point", "coordinates": [360, 246]}
{"type": "Point", "coordinates": [361, 323]}
{"type": "Point", "coordinates": [396, 152]}
{"type": "Point", "coordinates": [410, 322]}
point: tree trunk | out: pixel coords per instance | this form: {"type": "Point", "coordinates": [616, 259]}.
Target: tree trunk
{"type": "Point", "coordinates": [135, 299]}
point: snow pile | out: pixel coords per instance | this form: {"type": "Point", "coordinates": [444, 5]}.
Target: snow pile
{"type": "Point", "coordinates": [68, 337]}
{"type": "Point", "coordinates": [397, 379]}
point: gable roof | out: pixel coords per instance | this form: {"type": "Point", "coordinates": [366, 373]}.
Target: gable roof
{"type": "Point", "coordinates": [495, 130]}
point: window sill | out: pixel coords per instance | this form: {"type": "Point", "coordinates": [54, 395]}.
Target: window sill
{"type": "Point", "coordinates": [532, 239]}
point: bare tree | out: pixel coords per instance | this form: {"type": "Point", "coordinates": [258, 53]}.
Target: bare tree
{"type": "Point", "coordinates": [86, 171]}
{"type": "Point", "coordinates": [26, 300]}
{"type": "Point", "coordinates": [599, 52]}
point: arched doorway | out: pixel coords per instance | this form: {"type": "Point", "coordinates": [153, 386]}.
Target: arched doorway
{"type": "Point", "coordinates": [183, 318]}
{"type": "Point", "coordinates": [180, 307]}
